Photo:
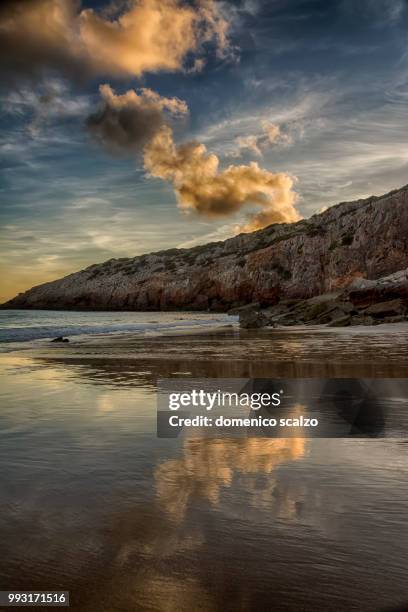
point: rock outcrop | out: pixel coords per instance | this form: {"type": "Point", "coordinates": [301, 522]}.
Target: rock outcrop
{"type": "Point", "coordinates": [363, 303]}
{"type": "Point", "coordinates": [347, 246]}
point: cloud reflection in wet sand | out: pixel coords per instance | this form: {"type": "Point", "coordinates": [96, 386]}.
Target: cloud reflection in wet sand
{"type": "Point", "coordinates": [208, 465]}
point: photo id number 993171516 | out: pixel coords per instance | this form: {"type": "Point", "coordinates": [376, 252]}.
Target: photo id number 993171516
{"type": "Point", "coordinates": [34, 598]}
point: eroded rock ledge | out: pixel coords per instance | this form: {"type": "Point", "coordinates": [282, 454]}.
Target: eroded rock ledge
{"type": "Point", "coordinates": [362, 303]}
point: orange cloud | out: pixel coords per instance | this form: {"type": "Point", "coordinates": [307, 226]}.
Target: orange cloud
{"type": "Point", "coordinates": [144, 36]}
{"type": "Point", "coordinates": [257, 143]}
{"type": "Point", "coordinates": [128, 122]}
{"type": "Point", "coordinates": [202, 187]}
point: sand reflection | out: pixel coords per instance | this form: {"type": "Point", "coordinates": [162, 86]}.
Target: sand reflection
{"type": "Point", "coordinates": [208, 465]}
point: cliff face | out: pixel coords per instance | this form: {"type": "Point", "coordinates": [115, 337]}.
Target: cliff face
{"type": "Point", "coordinates": [362, 239]}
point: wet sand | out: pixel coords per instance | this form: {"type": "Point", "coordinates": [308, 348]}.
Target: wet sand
{"type": "Point", "coordinates": [299, 352]}
{"type": "Point", "coordinates": [93, 502]}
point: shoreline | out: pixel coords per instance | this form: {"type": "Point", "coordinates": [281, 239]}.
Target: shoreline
{"type": "Point", "coordinates": [231, 352]}
{"type": "Point", "coordinates": [114, 337]}
{"type": "Point", "coordinates": [118, 337]}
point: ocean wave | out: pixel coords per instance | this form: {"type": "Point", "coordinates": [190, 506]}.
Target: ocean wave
{"type": "Point", "coordinates": [33, 330]}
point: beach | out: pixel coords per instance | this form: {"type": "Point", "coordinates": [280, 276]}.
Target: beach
{"type": "Point", "coordinates": [204, 305]}
{"type": "Point", "coordinates": [94, 503]}
{"type": "Point", "coordinates": [219, 348]}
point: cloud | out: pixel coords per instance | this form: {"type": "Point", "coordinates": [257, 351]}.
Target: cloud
{"type": "Point", "coordinates": [249, 143]}
{"type": "Point", "coordinates": [271, 134]}
{"type": "Point", "coordinates": [198, 66]}
{"type": "Point", "coordinates": [49, 101]}
{"type": "Point", "coordinates": [201, 187]}
{"type": "Point", "coordinates": [135, 120]}
{"type": "Point", "coordinates": [141, 36]}
{"type": "Point", "coordinates": [125, 123]}
{"type": "Point", "coordinates": [221, 233]}
{"type": "Point", "coordinates": [380, 13]}
{"type": "Point", "coordinates": [207, 466]}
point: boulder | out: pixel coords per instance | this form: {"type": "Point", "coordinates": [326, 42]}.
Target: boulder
{"type": "Point", "coordinates": [362, 320]}
{"type": "Point", "coordinates": [366, 292]}
{"type": "Point", "coordinates": [343, 321]}
{"type": "Point", "coordinates": [60, 339]}
{"type": "Point", "coordinates": [246, 308]}
{"type": "Point", "coordinates": [399, 319]}
{"type": "Point", "coordinates": [253, 319]}
{"type": "Point", "coordinates": [389, 308]}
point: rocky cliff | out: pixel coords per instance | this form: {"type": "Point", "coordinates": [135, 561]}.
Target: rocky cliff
{"type": "Point", "coordinates": [365, 239]}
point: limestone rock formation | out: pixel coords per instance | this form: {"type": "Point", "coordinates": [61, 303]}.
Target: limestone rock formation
{"type": "Point", "coordinates": [350, 245]}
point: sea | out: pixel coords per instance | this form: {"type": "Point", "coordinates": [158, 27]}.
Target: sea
{"type": "Point", "coordinates": [24, 325]}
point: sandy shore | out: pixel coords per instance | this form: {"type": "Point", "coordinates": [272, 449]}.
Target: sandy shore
{"type": "Point", "coordinates": [229, 351]}
{"type": "Point", "coordinates": [95, 503]}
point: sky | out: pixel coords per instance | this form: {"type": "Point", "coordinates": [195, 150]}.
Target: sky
{"type": "Point", "coordinates": [137, 126]}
